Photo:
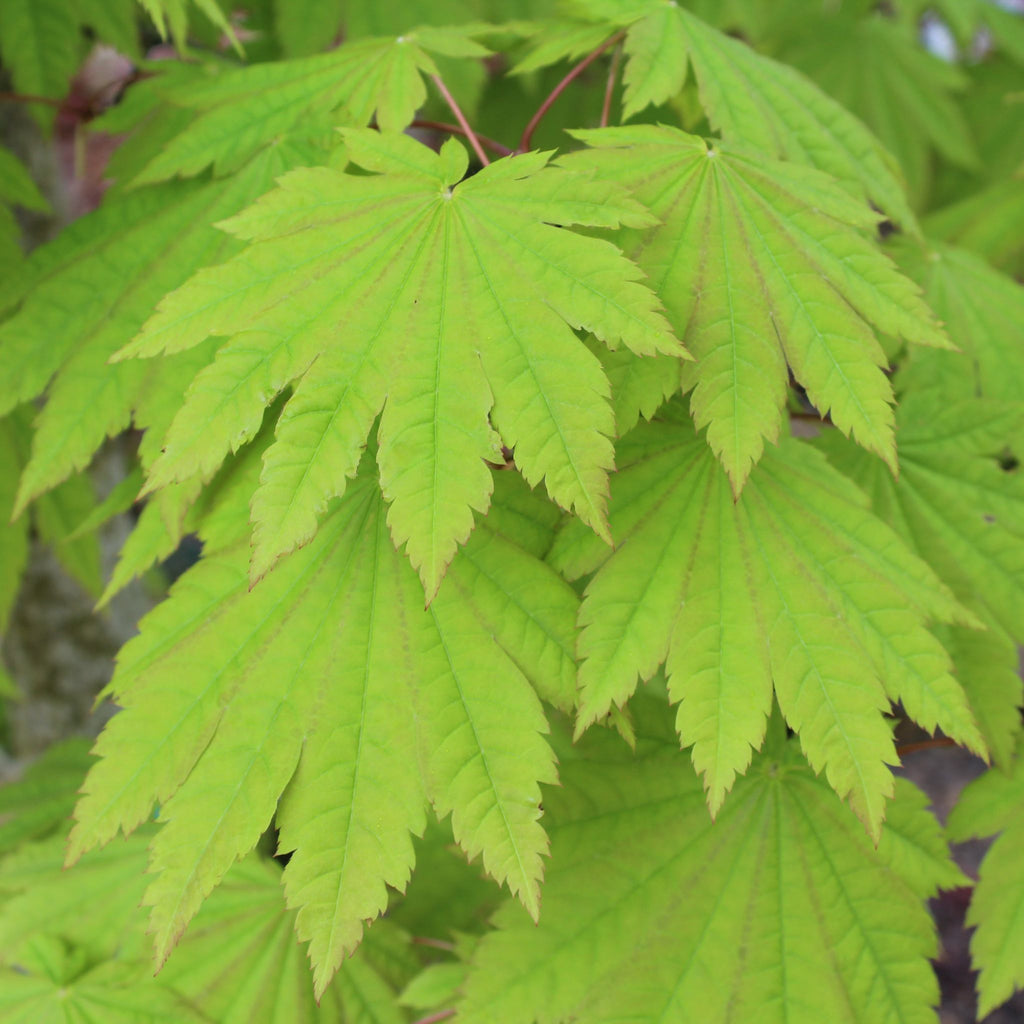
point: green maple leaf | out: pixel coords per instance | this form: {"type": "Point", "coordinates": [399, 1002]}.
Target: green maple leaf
{"type": "Point", "coordinates": [467, 287]}
{"type": "Point", "coordinates": [13, 534]}
{"type": "Point", "coordinates": [40, 42]}
{"type": "Point", "coordinates": [763, 270]}
{"type": "Point", "coordinates": [40, 802]}
{"type": "Point", "coordinates": [952, 502]}
{"type": "Point", "coordinates": [331, 669]}
{"type": "Point", "coordinates": [991, 804]}
{"type": "Point", "coordinates": [983, 311]}
{"type": "Point", "coordinates": [88, 292]}
{"type": "Point", "coordinates": [53, 984]}
{"type": "Point", "coordinates": [765, 105]}
{"type": "Point", "coordinates": [242, 110]}
{"type": "Point", "coordinates": [171, 18]}
{"type": "Point", "coordinates": [94, 911]}
{"type": "Point", "coordinates": [54, 516]}
{"type": "Point", "coordinates": [990, 222]}
{"type": "Point", "coordinates": [306, 27]}
{"type": "Point", "coordinates": [796, 587]}
{"type": "Point", "coordinates": [880, 72]}
{"type": "Point", "coordinates": [651, 910]}
{"type": "Point", "coordinates": [961, 512]}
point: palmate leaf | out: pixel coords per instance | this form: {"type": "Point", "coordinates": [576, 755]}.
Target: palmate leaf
{"type": "Point", "coordinates": [332, 680]}
{"type": "Point", "coordinates": [40, 801]}
{"type": "Point", "coordinates": [55, 985]}
{"type": "Point", "coordinates": [780, 911]}
{"type": "Point", "coordinates": [89, 291]}
{"type": "Point", "coordinates": [795, 586]}
{"type": "Point", "coordinates": [953, 503]}
{"type": "Point", "coordinates": [468, 288]}
{"type": "Point", "coordinates": [763, 269]}
{"type": "Point", "coordinates": [983, 311]}
{"type": "Point", "coordinates": [239, 964]}
{"type": "Point", "coordinates": [171, 18]}
{"type": "Point", "coordinates": [990, 222]}
{"type": "Point", "coordinates": [881, 73]}
{"type": "Point", "coordinates": [995, 803]}
{"type": "Point", "coordinates": [245, 109]}
{"type": "Point", "coordinates": [40, 42]}
{"type": "Point", "coordinates": [962, 513]}
{"type": "Point", "coordinates": [752, 100]}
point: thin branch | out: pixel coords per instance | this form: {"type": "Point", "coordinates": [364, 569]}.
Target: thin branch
{"type": "Point", "coordinates": [423, 940]}
{"type": "Point", "coordinates": [21, 97]}
{"type": "Point", "coordinates": [911, 748]}
{"type": "Point", "coordinates": [435, 1017]}
{"type": "Point", "coordinates": [613, 70]}
{"type": "Point", "coordinates": [440, 126]}
{"type": "Point", "coordinates": [461, 118]}
{"type": "Point", "coordinates": [524, 142]}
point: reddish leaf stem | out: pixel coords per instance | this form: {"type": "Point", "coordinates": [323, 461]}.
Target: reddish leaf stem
{"type": "Point", "coordinates": [938, 741]}
{"type": "Point", "coordinates": [524, 142]}
{"type": "Point", "coordinates": [461, 118]}
{"type": "Point", "coordinates": [435, 1017]}
{"type": "Point", "coordinates": [440, 126]}
{"type": "Point", "coordinates": [424, 940]}
{"type": "Point", "coordinates": [21, 97]}
{"type": "Point", "coordinates": [613, 70]}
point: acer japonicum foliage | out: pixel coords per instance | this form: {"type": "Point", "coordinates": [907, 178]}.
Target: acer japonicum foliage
{"type": "Point", "coordinates": [601, 422]}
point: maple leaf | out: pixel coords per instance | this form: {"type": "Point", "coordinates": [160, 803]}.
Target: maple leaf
{"type": "Point", "coordinates": [651, 910]}
{"type": "Point", "coordinates": [40, 45]}
{"type": "Point", "coordinates": [795, 586]}
{"type": "Point", "coordinates": [982, 309]}
{"type": "Point", "coordinates": [40, 802]}
{"type": "Point", "coordinates": [300, 682]}
{"type": "Point", "coordinates": [243, 110]}
{"type": "Point", "coordinates": [762, 269]}
{"type": "Point", "coordinates": [55, 517]}
{"type": "Point", "coordinates": [953, 503]}
{"type": "Point", "coordinates": [769, 107]}
{"type": "Point", "coordinates": [468, 287]}
{"type": "Point", "coordinates": [88, 292]}
{"type": "Point", "coordinates": [94, 911]}
{"type": "Point", "coordinates": [960, 511]}
{"type": "Point", "coordinates": [879, 71]}
{"type": "Point", "coordinates": [54, 984]}
{"type": "Point", "coordinates": [990, 222]}
{"type": "Point", "coordinates": [16, 189]}
{"type": "Point", "coordinates": [171, 18]}
{"type": "Point", "coordinates": [994, 804]}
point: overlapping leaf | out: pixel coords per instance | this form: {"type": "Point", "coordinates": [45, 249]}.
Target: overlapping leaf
{"type": "Point", "coordinates": [904, 94]}
{"type": "Point", "coordinates": [332, 680]}
{"type": "Point", "coordinates": [763, 269]}
{"type": "Point", "coordinates": [16, 189]}
{"type": "Point", "coordinates": [796, 587]}
{"type": "Point", "coordinates": [962, 513]}
{"type": "Point", "coordinates": [39, 803]}
{"type": "Point", "coordinates": [56, 985]}
{"type": "Point", "coordinates": [995, 804]}
{"type": "Point", "coordinates": [40, 44]}
{"type": "Point", "coordinates": [245, 109]}
{"type": "Point", "coordinates": [765, 105]}
{"type": "Point", "coordinates": [983, 311]}
{"type": "Point", "coordinates": [239, 964]}
{"type": "Point", "coordinates": [782, 910]}
{"type": "Point", "coordinates": [88, 293]}
{"type": "Point", "coordinates": [991, 223]}
{"type": "Point", "coordinates": [468, 290]}
{"type": "Point", "coordinates": [953, 503]}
